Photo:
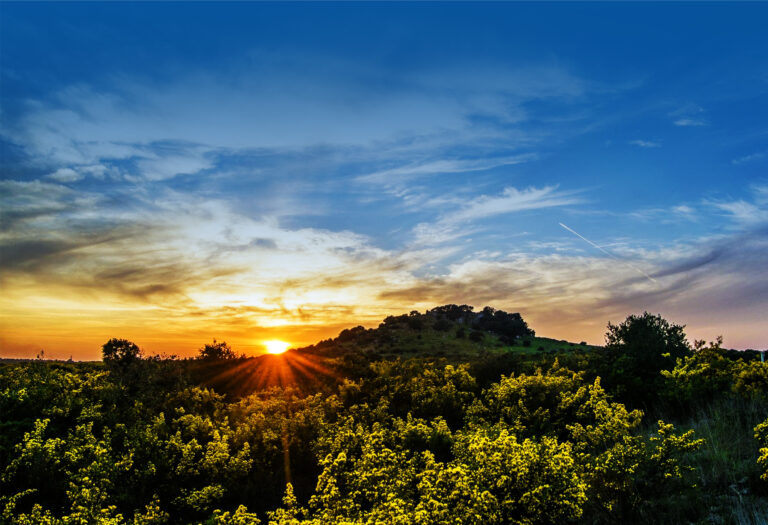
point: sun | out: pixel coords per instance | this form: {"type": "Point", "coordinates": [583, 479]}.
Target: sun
{"type": "Point", "coordinates": [276, 346]}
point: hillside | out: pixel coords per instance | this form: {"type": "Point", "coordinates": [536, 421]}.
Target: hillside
{"type": "Point", "coordinates": [451, 331]}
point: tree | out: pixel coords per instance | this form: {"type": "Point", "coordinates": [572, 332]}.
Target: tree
{"type": "Point", "coordinates": [507, 326]}
{"type": "Point", "coordinates": [120, 353]}
{"type": "Point", "coordinates": [216, 351]}
{"type": "Point", "coordinates": [637, 350]}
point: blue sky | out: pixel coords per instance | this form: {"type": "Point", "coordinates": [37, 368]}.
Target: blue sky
{"type": "Point", "coordinates": [267, 170]}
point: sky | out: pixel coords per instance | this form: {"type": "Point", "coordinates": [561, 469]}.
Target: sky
{"type": "Point", "coordinates": [172, 173]}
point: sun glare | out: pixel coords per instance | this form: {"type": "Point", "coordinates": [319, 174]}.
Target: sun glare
{"type": "Point", "coordinates": [276, 346]}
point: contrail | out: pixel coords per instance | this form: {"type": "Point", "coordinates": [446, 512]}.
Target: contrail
{"type": "Point", "coordinates": [609, 254]}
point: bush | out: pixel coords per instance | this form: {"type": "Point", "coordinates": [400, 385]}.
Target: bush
{"type": "Point", "coordinates": [701, 377]}
{"type": "Point", "coordinates": [761, 434]}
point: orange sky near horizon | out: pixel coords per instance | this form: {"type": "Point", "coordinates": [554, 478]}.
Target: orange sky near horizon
{"type": "Point", "coordinates": [76, 327]}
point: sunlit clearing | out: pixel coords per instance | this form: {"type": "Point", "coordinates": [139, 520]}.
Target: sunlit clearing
{"type": "Point", "coordinates": [276, 346]}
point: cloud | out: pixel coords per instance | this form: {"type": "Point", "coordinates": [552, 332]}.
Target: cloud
{"type": "Point", "coordinates": [513, 200]}
{"type": "Point", "coordinates": [683, 209]}
{"type": "Point", "coordinates": [749, 158]}
{"type": "Point", "coordinates": [672, 214]}
{"type": "Point", "coordinates": [162, 162]}
{"type": "Point", "coordinates": [688, 121]}
{"type": "Point", "coordinates": [176, 249]}
{"type": "Point", "coordinates": [441, 120]}
{"type": "Point", "coordinates": [411, 171]}
{"type": "Point", "coordinates": [745, 212]}
{"type": "Point", "coordinates": [452, 223]}
{"type": "Point", "coordinates": [65, 175]}
{"type": "Point", "coordinates": [690, 115]}
{"type": "Point", "coordinates": [646, 143]}
{"type": "Point", "coordinates": [760, 194]}
{"type": "Point", "coordinates": [27, 202]}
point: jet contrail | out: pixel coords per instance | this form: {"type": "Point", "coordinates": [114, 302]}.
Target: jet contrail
{"type": "Point", "coordinates": [609, 254]}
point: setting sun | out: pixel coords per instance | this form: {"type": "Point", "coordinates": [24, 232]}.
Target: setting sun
{"type": "Point", "coordinates": [276, 346]}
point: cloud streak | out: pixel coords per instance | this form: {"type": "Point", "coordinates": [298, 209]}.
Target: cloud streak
{"type": "Point", "coordinates": [646, 143]}
{"type": "Point", "coordinates": [412, 171]}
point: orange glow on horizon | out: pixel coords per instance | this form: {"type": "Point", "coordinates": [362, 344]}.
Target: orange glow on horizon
{"type": "Point", "coordinates": [293, 369]}
{"type": "Point", "coordinates": [276, 346]}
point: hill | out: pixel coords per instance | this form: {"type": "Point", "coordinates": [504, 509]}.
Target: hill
{"type": "Point", "coordinates": [453, 332]}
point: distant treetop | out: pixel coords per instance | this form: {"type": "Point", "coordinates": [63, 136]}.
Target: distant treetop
{"type": "Point", "coordinates": [216, 351]}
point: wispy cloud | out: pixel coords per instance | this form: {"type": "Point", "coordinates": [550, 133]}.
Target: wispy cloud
{"type": "Point", "coordinates": [689, 115]}
{"type": "Point", "coordinates": [294, 104]}
{"type": "Point", "coordinates": [743, 212]}
{"type": "Point", "coordinates": [65, 175]}
{"type": "Point", "coordinates": [646, 143]}
{"type": "Point", "coordinates": [672, 214]}
{"type": "Point", "coordinates": [513, 200]}
{"type": "Point", "coordinates": [452, 224]}
{"type": "Point", "coordinates": [411, 171]}
{"type": "Point", "coordinates": [690, 121]}
{"type": "Point", "coordinates": [749, 158]}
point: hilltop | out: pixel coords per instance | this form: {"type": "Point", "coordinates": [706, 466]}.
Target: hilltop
{"type": "Point", "coordinates": [450, 331]}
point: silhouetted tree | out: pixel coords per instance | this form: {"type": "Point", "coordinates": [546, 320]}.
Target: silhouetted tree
{"type": "Point", "coordinates": [123, 358]}
{"type": "Point", "coordinates": [120, 353]}
{"type": "Point", "coordinates": [452, 312]}
{"type": "Point", "coordinates": [637, 350]}
{"type": "Point", "coordinates": [216, 351]}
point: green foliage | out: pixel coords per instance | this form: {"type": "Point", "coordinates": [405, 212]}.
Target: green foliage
{"type": "Point", "coordinates": [425, 390]}
{"type": "Point", "coordinates": [531, 482]}
{"type": "Point", "coordinates": [711, 373]}
{"type": "Point", "coordinates": [761, 434]}
{"type": "Point", "coordinates": [702, 376]}
{"type": "Point", "coordinates": [558, 404]}
{"type": "Point", "coordinates": [486, 434]}
{"type": "Point", "coordinates": [751, 380]}
{"type": "Point", "coordinates": [638, 477]}
{"type": "Point", "coordinates": [241, 516]}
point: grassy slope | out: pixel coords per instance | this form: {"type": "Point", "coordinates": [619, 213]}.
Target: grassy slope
{"type": "Point", "coordinates": [404, 342]}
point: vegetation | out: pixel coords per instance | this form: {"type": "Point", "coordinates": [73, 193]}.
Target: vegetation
{"type": "Point", "coordinates": [450, 416]}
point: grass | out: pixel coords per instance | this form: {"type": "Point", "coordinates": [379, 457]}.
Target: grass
{"type": "Point", "coordinates": [428, 342]}
{"type": "Point", "coordinates": [729, 455]}
{"type": "Point", "coordinates": [728, 477]}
